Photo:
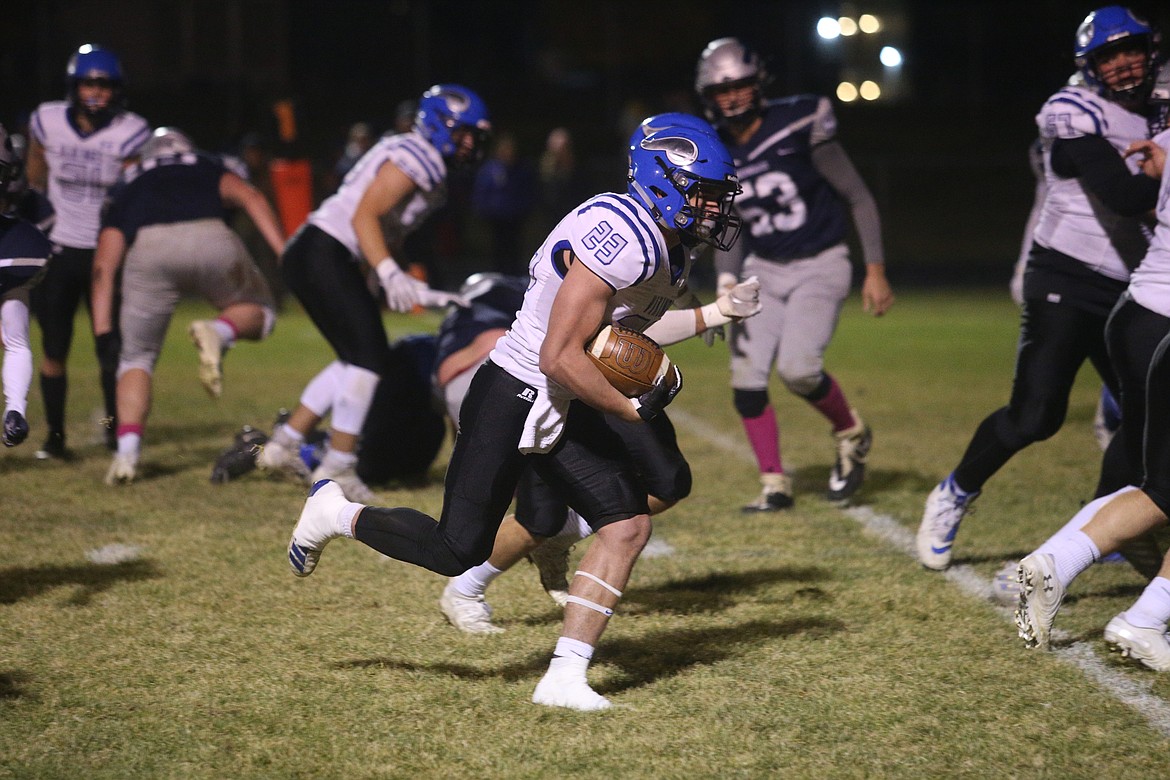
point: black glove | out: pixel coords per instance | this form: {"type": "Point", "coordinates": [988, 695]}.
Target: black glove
{"type": "Point", "coordinates": [109, 346]}
{"type": "Point", "coordinates": [654, 400]}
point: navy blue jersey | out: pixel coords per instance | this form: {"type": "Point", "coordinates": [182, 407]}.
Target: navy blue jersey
{"type": "Point", "coordinates": [24, 252]}
{"type": "Point", "coordinates": [495, 307]}
{"type": "Point", "coordinates": [789, 210]}
{"type": "Point", "coordinates": [165, 190]}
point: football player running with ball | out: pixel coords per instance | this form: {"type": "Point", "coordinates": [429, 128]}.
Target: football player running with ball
{"type": "Point", "coordinates": [616, 259]}
{"type": "Point", "coordinates": [799, 187]}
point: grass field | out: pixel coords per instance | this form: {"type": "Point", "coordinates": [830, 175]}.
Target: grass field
{"type": "Point", "coordinates": [803, 644]}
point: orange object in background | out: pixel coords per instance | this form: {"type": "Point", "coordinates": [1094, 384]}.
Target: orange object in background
{"type": "Point", "coordinates": [292, 184]}
{"type": "Point", "coordinates": [418, 271]}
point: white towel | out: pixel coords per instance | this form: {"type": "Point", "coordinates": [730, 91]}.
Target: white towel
{"type": "Point", "coordinates": [544, 425]}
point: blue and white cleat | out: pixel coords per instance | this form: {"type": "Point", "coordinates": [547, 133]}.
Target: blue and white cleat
{"type": "Point", "coordinates": [940, 523]}
{"type": "Point", "coordinates": [316, 526]}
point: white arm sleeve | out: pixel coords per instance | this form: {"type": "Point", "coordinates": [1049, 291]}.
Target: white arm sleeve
{"type": "Point", "coordinates": [676, 325]}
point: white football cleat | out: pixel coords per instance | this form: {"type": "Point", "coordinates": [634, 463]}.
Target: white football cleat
{"type": "Point", "coordinates": [349, 482]}
{"type": "Point", "coordinates": [276, 458]}
{"type": "Point", "coordinates": [315, 527]}
{"type": "Point", "coordinates": [1005, 587]}
{"type": "Point", "coordinates": [940, 523]}
{"type": "Point", "coordinates": [123, 470]}
{"type": "Point", "coordinates": [1040, 597]}
{"type": "Point", "coordinates": [1148, 645]}
{"type": "Point", "coordinates": [565, 686]}
{"type": "Point", "coordinates": [469, 615]}
{"type": "Point", "coordinates": [210, 347]}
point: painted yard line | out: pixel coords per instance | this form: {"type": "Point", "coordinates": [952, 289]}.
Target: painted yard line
{"type": "Point", "coordinates": [1134, 694]}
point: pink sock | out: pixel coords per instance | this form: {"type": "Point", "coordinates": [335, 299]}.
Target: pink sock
{"type": "Point", "coordinates": [129, 428]}
{"type": "Point", "coordinates": [764, 437]}
{"type": "Point", "coordinates": [834, 407]}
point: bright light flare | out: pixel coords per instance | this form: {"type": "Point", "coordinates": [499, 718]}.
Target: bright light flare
{"type": "Point", "coordinates": [828, 28]}
{"type": "Point", "coordinates": [869, 23]}
{"type": "Point", "coordinates": [846, 92]}
{"type": "Point", "coordinates": [890, 57]}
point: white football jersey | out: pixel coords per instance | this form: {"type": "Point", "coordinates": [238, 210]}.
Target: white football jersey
{"type": "Point", "coordinates": [83, 168]}
{"type": "Point", "coordinates": [615, 237]}
{"type": "Point", "coordinates": [410, 153]}
{"type": "Point", "coordinates": [1071, 221]}
{"type": "Point", "coordinates": [1150, 283]}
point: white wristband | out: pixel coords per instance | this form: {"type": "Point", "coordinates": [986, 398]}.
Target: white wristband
{"type": "Point", "coordinates": [712, 317]}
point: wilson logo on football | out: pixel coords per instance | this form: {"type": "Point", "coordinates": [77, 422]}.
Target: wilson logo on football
{"type": "Point", "coordinates": [630, 361]}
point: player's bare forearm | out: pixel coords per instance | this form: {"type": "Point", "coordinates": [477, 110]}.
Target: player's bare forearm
{"type": "Point", "coordinates": [106, 261]}
{"type": "Point", "coordinates": [575, 318]}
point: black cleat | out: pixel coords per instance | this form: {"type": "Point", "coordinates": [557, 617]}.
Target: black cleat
{"type": "Point", "coordinates": [53, 448]}
{"type": "Point", "coordinates": [15, 428]}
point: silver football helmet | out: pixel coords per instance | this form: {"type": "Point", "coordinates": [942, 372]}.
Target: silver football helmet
{"type": "Point", "coordinates": [166, 141]}
{"type": "Point", "coordinates": [724, 63]}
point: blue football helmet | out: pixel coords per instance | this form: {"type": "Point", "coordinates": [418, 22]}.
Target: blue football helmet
{"type": "Point", "coordinates": [1106, 30]}
{"type": "Point", "coordinates": [94, 62]}
{"type": "Point", "coordinates": [449, 110]}
{"type": "Point", "coordinates": [652, 124]}
{"type": "Point", "coordinates": [728, 62]}
{"type": "Point", "coordinates": [686, 179]}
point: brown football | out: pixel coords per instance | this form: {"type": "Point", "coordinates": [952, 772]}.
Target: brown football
{"type": "Point", "coordinates": [631, 361]}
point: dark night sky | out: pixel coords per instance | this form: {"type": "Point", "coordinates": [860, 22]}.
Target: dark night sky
{"type": "Point", "coordinates": [974, 76]}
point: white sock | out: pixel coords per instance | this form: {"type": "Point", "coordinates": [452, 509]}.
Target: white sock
{"type": "Point", "coordinates": [1080, 519]}
{"type": "Point", "coordinates": [129, 445]}
{"type": "Point", "coordinates": [1152, 609]}
{"type": "Point", "coordinates": [287, 436]}
{"type": "Point", "coordinates": [474, 582]}
{"type": "Point", "coordinates": [344, 519]}
{"type": "Point", "coordinates": [226, 333]}
{"type": "Point", "coordinates": [1072, 553]}
{"type": "Point", "coordinates": [573, 648]}
{"type": "Point", "coordinates": [336, 461]}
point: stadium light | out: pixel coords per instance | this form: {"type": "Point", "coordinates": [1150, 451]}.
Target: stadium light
{"type": "Point", "coordinates": [846, 92]}
{"type": "Point", "coordinates": [870, 90]}
{"type": "Point", "coordinates": [848, 26]}
{"type": "Point", "coordinates": [869, 23]}
{"type": "Point", "coordinates": [890, 57]}
{"type": "Point", "coordinates": [828, 28]}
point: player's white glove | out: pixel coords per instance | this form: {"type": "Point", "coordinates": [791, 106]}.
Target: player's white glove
{"type": "Point", "coordinates": [437, 299]}
{"type": "Point", "coordinates": [725, 282]}
{"type": "Point", "coordinates": [742, 300]}
{"type": "Point", "coordinates": [402, 290]}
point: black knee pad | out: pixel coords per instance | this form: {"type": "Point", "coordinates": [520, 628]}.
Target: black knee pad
{"type": "Point", "coordinates": [750, 403]}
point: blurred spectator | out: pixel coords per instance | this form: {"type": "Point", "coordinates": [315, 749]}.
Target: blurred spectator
{"type": "Point", "coordinates": [404, 116]}
{"type": "Point", "coordinates": [357, 142]}
{"type": "Point", "coordinates": [504, 196]}
{"type": "Point", "coordinates": [562, 185]}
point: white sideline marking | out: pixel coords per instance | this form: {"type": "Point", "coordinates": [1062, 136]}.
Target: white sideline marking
{"type": "Point", "coordinates": [1133, 693]}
